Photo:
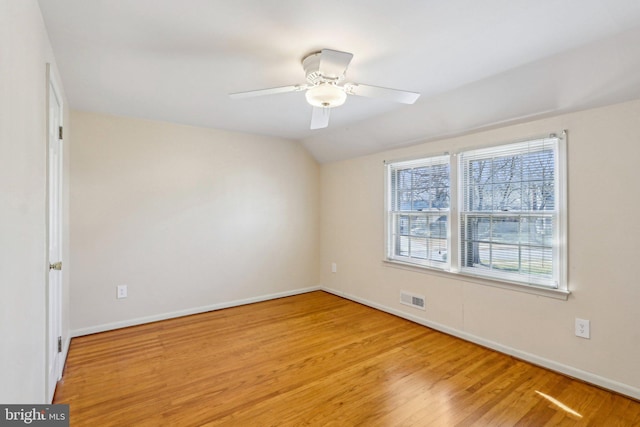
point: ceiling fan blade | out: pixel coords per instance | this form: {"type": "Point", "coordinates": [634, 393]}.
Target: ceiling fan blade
{"type": "Point", "coordinates": [381, 92]}
{"type": "Point", "coordinates": [270, 91]}
{"type": "Point", "coordinates": [320, 117]}
{"type": "Point", "coordinates": [333, 63]}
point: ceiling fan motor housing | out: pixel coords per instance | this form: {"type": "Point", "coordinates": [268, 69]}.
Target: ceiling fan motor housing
{"type": "Point", "coordinates": [311, 65]}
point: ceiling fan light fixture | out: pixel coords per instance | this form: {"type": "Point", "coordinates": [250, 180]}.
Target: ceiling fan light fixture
{"type": "Point", "coordinates": [326, 95]}
{"type": "Point", "coordinates": [325, 71]}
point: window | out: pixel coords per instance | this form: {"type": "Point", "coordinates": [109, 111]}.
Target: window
{"type": "Point", "coordinates": [509, 223]}
{"type": "Point", "coordinates": [419, 201]}
{"type": "Point", "coordinates": [509, 216]}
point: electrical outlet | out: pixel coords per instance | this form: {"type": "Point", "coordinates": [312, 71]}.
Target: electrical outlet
{"type": "Point", "coordinates": [121, 291]}
{"type": "Point", "coordinates": [583, 328]}
{"type": "Point", "coordinates": [334, 267]}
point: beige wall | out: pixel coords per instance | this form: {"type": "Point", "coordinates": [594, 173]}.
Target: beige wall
{"type": "Point", "coordinates": [25, 51]}
{"type": "Point", "coordinates": [604, 200]}
{"type": "Point", "coordinates": [189, 218]}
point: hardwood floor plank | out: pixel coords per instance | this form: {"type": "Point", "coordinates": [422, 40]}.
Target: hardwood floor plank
{"type": "Point", "coordinates": [315, 359]}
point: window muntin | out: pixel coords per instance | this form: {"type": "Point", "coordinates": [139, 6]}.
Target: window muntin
{"type": "Point", "coordinates": [510, 221]}
{"type": "Point", "coordinates": [418, 212]}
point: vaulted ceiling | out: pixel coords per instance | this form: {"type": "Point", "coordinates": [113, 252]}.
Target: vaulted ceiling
{"type": "Point", "coordinates": [476, 63]}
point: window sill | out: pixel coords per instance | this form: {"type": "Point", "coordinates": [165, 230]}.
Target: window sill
{"type": "Point", "coordinates": [560, 294]}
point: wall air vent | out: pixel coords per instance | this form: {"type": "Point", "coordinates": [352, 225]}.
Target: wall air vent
{"type": "Point", "coordinates": [412, 300]}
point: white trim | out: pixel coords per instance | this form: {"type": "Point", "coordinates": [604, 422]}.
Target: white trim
{"type": "Point", "coordinates": [170, 315]}
{"type": "Point", "coordinates": [65, 353]}
{"type": "Point", "coordinates": [560, 294]}
{"type": "Point", "coordinates": [415, 158]}
{"type": "Point", "coordinates": [561, 368]}
{"type": "Point", "coordinates": [570, 371]}
{"type": "Point", "coordinates": [63, 363]}
{"type": "Point", "coordinates": [562, 166]}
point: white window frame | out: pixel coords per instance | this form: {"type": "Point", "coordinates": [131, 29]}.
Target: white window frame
{"type": "Point", "coordinates": [556, 287]}
{"type": "Point", "coordinates": [434, 258]}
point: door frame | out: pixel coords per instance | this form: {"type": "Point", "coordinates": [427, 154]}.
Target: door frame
{"type": "Point", "coordinates": [54, 356]}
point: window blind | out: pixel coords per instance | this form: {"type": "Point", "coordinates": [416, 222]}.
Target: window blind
{"type": "Point", "coordinates": [418, 211]}
{"type": "Point", "coordinates": [509, 212]}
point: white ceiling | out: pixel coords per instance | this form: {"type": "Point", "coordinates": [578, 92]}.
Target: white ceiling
{"type": "Point", "coordinates": [476, 63]}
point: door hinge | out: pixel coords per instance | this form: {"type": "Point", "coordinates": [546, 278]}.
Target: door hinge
{"type": "Point", "coordinates": [59, 132]}
{"type": "Point", "coordinates": [56, 266]}
{"type": "Point", "coordinates": [59, 344]}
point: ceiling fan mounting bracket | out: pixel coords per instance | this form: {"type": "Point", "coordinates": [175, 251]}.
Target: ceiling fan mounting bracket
{"type": "Point", "coordinates": [312, 64]}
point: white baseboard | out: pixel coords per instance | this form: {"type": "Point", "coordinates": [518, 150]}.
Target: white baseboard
{"type": "Point", "coordinates": [570, 371]}
{"type": "Point", "coordinates": [588, 377]}
{"type": "Point", "coordinates": [164, 316]}
{"type": "Point", "coordinates": [65, 352]}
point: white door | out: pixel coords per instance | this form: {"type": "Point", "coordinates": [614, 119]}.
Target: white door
{"type": "Point", "coordinates": [54, 292]}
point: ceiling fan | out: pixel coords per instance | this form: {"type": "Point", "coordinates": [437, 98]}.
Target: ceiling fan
{"type": "Point", "coordinates": [325, 71]}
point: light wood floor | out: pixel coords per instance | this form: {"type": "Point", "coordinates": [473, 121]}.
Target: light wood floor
{"type": "Point", "coordinates": [315, 359]}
